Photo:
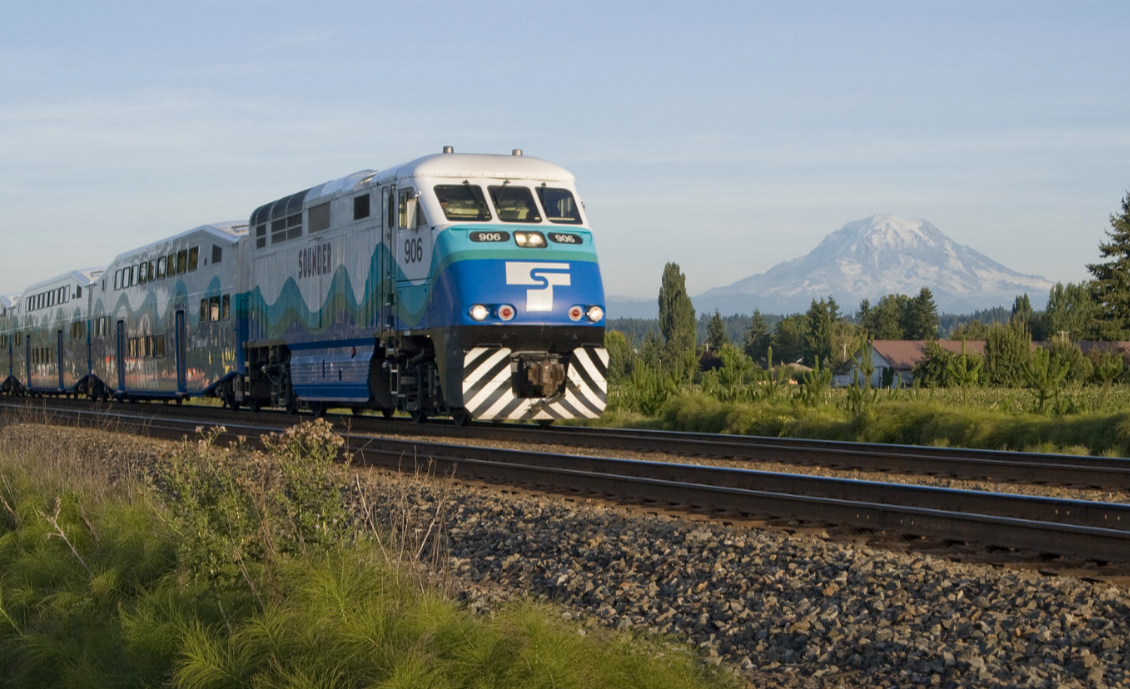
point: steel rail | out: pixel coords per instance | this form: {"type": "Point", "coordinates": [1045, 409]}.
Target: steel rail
{"type": "Point", "coordinates": [1097, 531]}
{"type": "Point", "coordinates": [1107, 473]}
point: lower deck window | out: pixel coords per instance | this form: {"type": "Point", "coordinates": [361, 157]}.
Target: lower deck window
{"type": "Point", "coordinates": [215, 309]}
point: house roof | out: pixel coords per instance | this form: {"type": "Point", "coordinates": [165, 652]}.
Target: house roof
{"type": "Point", "coordinates": [1087, 346]}
{"type": "Point", "coordinates": [904, 354]}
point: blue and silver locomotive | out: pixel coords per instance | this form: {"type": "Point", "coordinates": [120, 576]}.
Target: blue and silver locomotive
{"type": "Point", "coordinates": [462, 285]}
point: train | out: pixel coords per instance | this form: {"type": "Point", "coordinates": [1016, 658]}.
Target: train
{"type": "Point", "coordinates": [458, 285]}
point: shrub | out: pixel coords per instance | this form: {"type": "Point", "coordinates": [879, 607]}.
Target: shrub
{"type": "Point", "coordinates": [239, 509]}
{"type": "Point", "coordinates": [1007, 349]}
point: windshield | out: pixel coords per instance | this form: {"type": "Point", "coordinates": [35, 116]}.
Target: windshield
{"type": "Point", "coordinates": [462, 202]}
{"type": "Point", "coordinates": [514, 204]}
{"type": "Point", "coordinates": [559, 205]}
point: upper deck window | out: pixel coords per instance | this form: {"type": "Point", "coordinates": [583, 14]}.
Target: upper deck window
{"type": "Point", "coordinates": [360, 207]}
{"type": "Point", "coordinates": [286, 229]}
{"type": "Point", "coordinates": [514, 204]}
{"type": "Point", "coordinates": [319, 217]}
{"type": "Point", "coordinates": [559, 205]}
{"type": "Point", "coordinates": [462, 202]}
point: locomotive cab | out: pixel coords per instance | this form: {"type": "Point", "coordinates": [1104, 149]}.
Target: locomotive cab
{"type": "Point", "coordinates": [498, 288]}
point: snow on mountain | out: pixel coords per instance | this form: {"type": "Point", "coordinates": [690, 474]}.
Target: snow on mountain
{"type": "Point", "coordinates": [880, 255]}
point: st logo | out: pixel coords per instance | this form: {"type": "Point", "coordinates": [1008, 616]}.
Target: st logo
{"type": "Point", "coordinates": [544, 275]}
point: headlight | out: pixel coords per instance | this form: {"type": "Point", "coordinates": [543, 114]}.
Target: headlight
{"type": "Point", "coordinates": [595, 314]}
{"type": "Point", "coordinates": [530, 239]}
{"type": "Point", "coordinates": [576, 312]}
{"type": "Point", "coordinates": [506, 312]}
{"type": "Point", "coordinates": [479, 312]}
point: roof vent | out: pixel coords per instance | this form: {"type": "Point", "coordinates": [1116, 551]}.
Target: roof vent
{"type": "Point", "coordinates": [516, 152]}
{"type": "Point", "coordinates": [448, 149]}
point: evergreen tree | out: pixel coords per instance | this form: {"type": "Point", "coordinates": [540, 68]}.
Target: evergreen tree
{"type": "Point", "coordinates": [1022, 314]}
{"type": "Point", "coordinates": [1112, 277]}
{"type": "Point", "coordinates": [864, 312]}
{"type": "Point", "coordinates": [757, 338]}
{"type": "Point", "coordinates": [1007, 351]}
{"type": "Point", "coordinates": [818, 339]}
{"type": "Point", "coordinates": [1071, 313]}
{"type": "Point", "coordinates": [972, 330]}
{"type": "Point", "coordinates": [1079, 367]}
{"type": "Point", "coordinates": [716, 336]}
{"type": "Point", "coordinates": [651, 350]}
{"type": "Point", "coordinates": [933, 371]}
{"type": "Point", "coordinates": [834, 309]}
{"type": "Point", "coordinates": [921, 317]}
{"type": "Point", "coordinates": [886, 320]}
{"type": "Point", "coordinates": [788, 339]}
{"type": "Point", "coordinates": [620, 355]}
{"type": "Point", "coordinates": [676, 312]}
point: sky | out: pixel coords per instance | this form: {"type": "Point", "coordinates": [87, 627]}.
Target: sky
{"type": "Point", "coordinates": [725, 136]}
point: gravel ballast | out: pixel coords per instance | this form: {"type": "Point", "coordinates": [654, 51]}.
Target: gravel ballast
{"type": "Point", "coordinates": [788, 610]}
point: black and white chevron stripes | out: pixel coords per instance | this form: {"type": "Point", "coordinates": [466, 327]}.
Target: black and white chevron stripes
{"type": "Point", "coordinates": [488, 389]}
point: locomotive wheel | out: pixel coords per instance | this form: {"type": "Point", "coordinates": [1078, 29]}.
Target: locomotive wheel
{"type": "Point", "coordinates": [419, 416]}
{"type": "Point", "coordinates": [318, 409]}
{"type": "Point", "coordinates": [387, 413]}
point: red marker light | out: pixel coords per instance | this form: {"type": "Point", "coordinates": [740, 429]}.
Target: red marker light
{"type": "Point", "coordinates": [506, 312]}
{"type": "Point", "coordinates": [576, 313]}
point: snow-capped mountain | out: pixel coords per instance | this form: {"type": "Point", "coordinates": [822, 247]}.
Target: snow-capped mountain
{"type": "Point", "coordinates": [880, 255]}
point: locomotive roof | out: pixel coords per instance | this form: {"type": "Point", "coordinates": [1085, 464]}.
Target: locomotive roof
{"type": "Point", "coordinates": [229, 231]}
{"type": "Point", "coordinates": [470, 165]}
{"type": "Point", "coordinates": [85, 276]}
{"type": "Point", "coordinates": [9, 300]}
{"type": "Point", "coordinates": [293, 203]}
{"type": "Point", "coordinates": [455, 165]}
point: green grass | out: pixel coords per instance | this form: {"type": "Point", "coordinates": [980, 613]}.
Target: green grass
{"type": "Point", "coordinates": [96, 591]}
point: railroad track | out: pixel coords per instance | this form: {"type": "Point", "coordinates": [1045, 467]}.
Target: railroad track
{"type": "Point", "coordinates": [1092, 530]}
{"type": "Point", "coordinates": [1103, 473]}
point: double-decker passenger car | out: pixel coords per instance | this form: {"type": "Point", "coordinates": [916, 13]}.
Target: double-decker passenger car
{"type": "Point", "coordinates": [8, 337]}
{"type": "Point", "coordinates": [54, 355]}
{"type": "Point", "coordinates": [162, 318]}
{"type": "Point", "coordinates": [454, 284]}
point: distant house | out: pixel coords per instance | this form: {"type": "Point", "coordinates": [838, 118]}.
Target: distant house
{"type": "Point", "coordinates": [899, 356]}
